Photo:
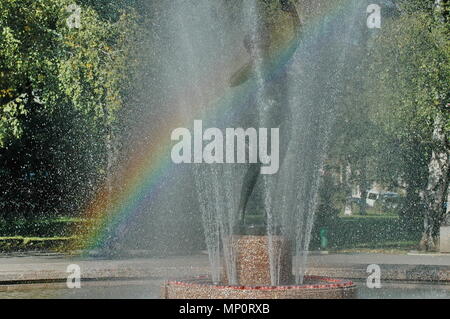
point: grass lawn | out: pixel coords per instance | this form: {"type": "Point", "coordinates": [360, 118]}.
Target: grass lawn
{"type": "Point", "coordinates": [389, 247]}
{"type": "Point", "coordinates": [38, 235]}
{"type": "Point", "coordinates": [374, 232]}
{"type": "Point", "coordinates": [20, 243]}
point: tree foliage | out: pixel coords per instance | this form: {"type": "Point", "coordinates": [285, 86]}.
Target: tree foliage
{"type": "Point", "coordinates": [60, 90]}
{"type": "Point", "coordinates": [45, 61]}
{"type": "Point", "coordinates": [394, 100]}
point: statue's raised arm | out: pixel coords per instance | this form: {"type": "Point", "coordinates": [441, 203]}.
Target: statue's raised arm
{"type": "Point", "coordinates": [279, 30]}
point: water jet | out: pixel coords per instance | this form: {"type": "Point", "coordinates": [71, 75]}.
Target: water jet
{"type": "Point", "coordinates": [264, 255]}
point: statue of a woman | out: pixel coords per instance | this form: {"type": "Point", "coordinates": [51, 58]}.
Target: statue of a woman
{"type": "Point", "coordinates": [279, 32]}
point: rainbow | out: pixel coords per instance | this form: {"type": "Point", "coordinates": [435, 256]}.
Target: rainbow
{"type": "Point", "coordinates": [142, 175]}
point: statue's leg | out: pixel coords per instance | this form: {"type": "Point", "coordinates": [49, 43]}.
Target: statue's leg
{"type": "Point", "coordinates": [248, 185]}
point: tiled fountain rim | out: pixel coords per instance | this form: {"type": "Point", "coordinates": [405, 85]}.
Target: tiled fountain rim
{"type": "Point", "coordinates": [204, 281]}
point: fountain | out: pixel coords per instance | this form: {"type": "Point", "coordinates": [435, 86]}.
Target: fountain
{"type": "Point", "coordinates": [287, 75]}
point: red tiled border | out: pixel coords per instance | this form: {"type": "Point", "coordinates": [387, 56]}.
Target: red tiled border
{"type": "Point", "coordinates": [330, 283]}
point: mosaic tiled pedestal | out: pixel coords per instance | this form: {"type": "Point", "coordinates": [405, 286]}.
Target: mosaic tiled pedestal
{"type": "Point", "coordinates": [253, 260]}
{"type": "Point", "coordinates": [253, 275]}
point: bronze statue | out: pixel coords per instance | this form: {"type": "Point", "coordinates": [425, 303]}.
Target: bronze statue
{"type": "Point", "coordinates": [279, 27]}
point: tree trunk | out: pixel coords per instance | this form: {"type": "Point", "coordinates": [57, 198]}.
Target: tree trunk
{"type": "Point", "coordinates": [111, 148]}
{"type": "Point", "coordinates": [435, 194]}
{"type": "Point", "coordinates": [411, 210]}
{"type": "Point", "coordinates": [109, 162]}
{"type": "Point", "coordinates": [363, 189]}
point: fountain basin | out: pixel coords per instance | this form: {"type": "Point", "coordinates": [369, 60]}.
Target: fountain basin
{"type": "Point", "coordinates": [313, 288]}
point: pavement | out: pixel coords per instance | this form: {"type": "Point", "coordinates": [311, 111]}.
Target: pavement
{"type": "Point", "coordinates": [36, 268]}
{"type": "Point", "coordinates": [410, 267]}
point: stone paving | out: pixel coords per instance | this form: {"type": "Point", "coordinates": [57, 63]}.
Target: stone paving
{"type": "Point", "coordinates": [20, 268]}
{"type": "Point", "coordinates": [414, 267]}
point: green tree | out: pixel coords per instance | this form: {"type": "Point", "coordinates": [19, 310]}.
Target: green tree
{"type": "Point", "coordinates": [60, 90]}
{"type": "Point", "coordinates": [352, 143]}
{"type": "Point", "coordinates": [410, 72]}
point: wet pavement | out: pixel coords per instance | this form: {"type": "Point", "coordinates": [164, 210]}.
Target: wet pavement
{"type": "Point", "coordinates": [150, 289]}
{"type": "Point", "coordinates": [403, 276]}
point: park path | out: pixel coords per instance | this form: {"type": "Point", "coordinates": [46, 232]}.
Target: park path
{"type": "Point", "coordinates": [42, 267]}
